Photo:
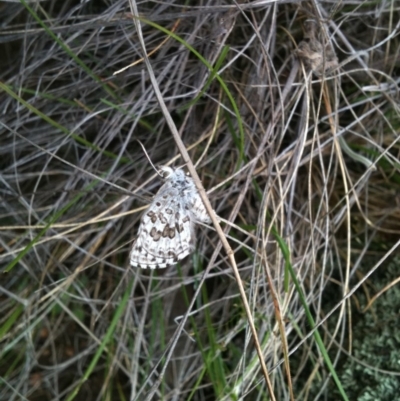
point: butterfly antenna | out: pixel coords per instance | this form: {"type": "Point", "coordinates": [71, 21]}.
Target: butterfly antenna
{"type": "Point", "coordinates": [148, 158]}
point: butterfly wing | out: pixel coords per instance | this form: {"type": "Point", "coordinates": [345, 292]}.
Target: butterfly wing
{"type": "Point", "coordinates": [197, 209]}
{"type": "Point", "coordinates": [166, 232]}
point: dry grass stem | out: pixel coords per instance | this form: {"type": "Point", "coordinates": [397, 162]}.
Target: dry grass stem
{"type": "Point", "coordinates": [286, 115]}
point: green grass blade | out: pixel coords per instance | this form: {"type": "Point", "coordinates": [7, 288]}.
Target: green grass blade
{"type": "Point", "coordinates": [66, 48]}
{"type": "Point", "coordinates": [106, 339]}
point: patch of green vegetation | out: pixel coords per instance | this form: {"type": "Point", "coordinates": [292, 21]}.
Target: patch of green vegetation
{"type": "Point", "coordinates": [372, 371]}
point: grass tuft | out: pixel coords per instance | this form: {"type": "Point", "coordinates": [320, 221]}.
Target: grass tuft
{"type": "Point", "coordinates": [289, 112]}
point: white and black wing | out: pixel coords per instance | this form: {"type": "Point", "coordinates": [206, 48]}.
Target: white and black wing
{"type": "Point", "coordinates": [165, 234]}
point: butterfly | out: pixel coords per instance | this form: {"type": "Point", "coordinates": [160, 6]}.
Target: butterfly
{"type": "Point", "coordinates": [167, 229]}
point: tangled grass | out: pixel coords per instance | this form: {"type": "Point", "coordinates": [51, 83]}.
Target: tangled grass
{"type": "Point", "coordinates": [290, 112]}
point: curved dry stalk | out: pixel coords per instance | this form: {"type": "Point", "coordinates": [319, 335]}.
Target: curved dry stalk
{"type": "Point", "coordinates": [186, 158]}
